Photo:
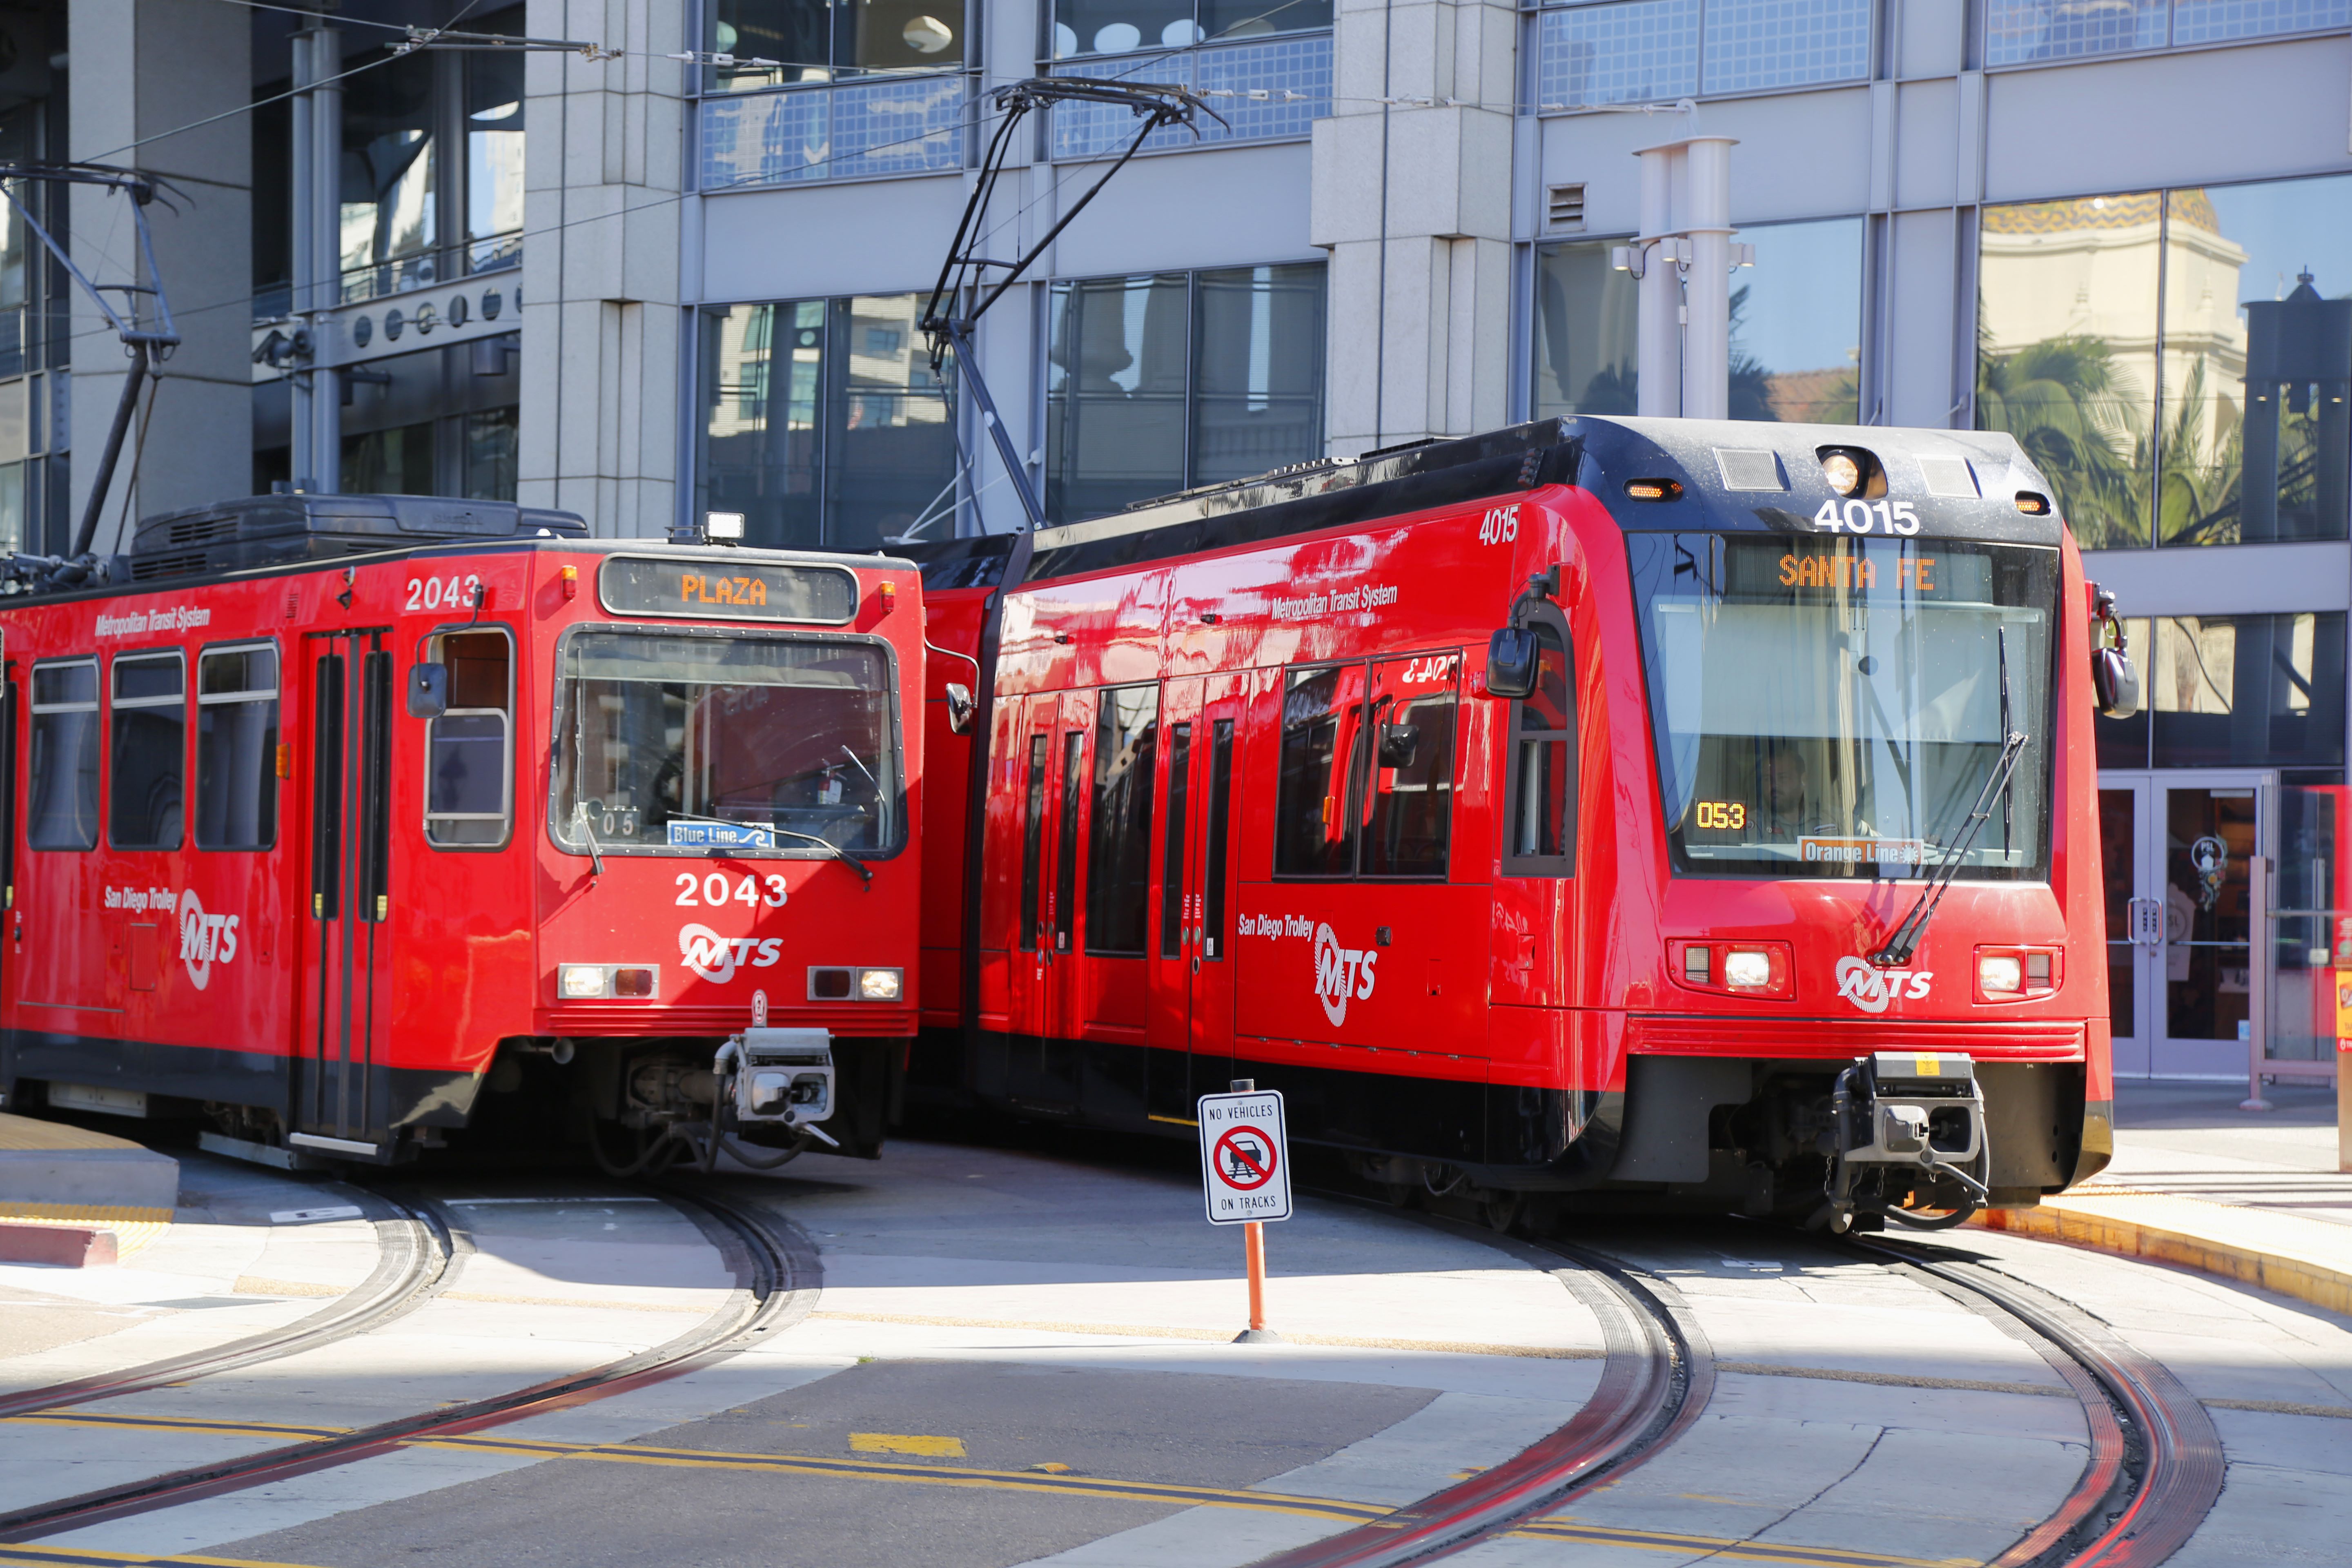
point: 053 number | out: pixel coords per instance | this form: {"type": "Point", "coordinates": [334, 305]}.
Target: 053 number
{"type": "Point", "coordinates": [694, 891]}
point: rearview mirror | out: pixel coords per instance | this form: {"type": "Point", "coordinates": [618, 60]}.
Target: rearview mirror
{"type": "Point", "coordinates": [960, 708]}
{"type": "Point", "coordinates": [1399, 744]}
{"type": "Point", "coordinates": [1511, 663]}
{"type": "Point", "coordinates": [2114, 684]}
{"type": "Point", "coordinates": [428, 690]}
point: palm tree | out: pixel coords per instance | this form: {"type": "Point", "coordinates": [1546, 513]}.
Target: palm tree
{"type": "Point", "coordinates": [2197, 496]}
{"type": "Point", "coordinates": [2061, 398]}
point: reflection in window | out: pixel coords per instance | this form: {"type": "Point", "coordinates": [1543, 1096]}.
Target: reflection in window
{"type": "Point", "coordinates": [1640, 51]}
{"type": "Point", "coordinates": [823, 423]}
{"type": "Point", "coordinates": [1118, 853]}
{"type": "Point", "coordinates": [816, 41]}
{"type": "Point", "coordinates": [2246, 692]}
{"type": "Point", "coordinates": [2067, 335]}
{"type": "Point", "coordinates": [494, 126]}
{"type": "Point", "coordinates": [1367, 787]}
{"type": "Point", "coordinates": [468, 771]}
{"type": "Point", "coordinates": [2018, 31]}
{"type": "Point", "coordinates": [237, 748]}
{"type": "Point", "coordinates": [1542, 785]}
{"type": "Point", "coordinates": [1121, 26]}
{"type": "Point", "coordinates": [1796, 324]}
{"type": "Point", "coordinates": [1161, 381]}
{"type": "Point", "coordinates": [1587, 324]}
{"type": "Point", "coordinates": [2257, 377]}
{"type": "Point", "coordinates": [389, 221]}
{"type": "Point", "coordinates": [1264, 89]}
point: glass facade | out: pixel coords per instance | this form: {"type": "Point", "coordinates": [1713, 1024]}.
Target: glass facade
{"type": "Point", "coordinates": [1122, 26]}
{"type": "Point", "coordinates": [819, 41]}
{"type": "Point", "coordinates": [2254, 691]}
{"type": "Point", "coordinates": [822, 423]}
{"type": "Point", "coordinates": [1158, 382]}
{"type": "Point", "coordinates": [1290, 76]}
{"type": "Point", "coordinates": [865, 128]}
{"type": "Point", "coordinates": [2176, 363]}
{"type": "Point", "coordinates": [1645, 51]}
{"type": "Point", "coordinates": [1796, 327]}
{"type": "Point", "coordinates": [2019, 32]}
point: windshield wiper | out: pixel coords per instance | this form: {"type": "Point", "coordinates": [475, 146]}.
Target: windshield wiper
{"type": "Point", "coordinates": [580, 820]}
{"type": "Point", "coordinates": [1904, 940]}
{"type": "Point", "coordinates": [864, 872]}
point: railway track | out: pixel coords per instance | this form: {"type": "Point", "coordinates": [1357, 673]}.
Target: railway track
{"type": "Point", "coordinates": [2155, 1467]}
{"type": "Point", "coordinates": [774, 1268]}
{"type": "Point", "coordinates": [415, 1250]}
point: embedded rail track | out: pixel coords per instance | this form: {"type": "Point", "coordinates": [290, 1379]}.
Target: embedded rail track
{"type": "Point", "coordinates": [775, 1270]}
{"type": "Point", "coordinates": [2154, 1466]}
{"type": "Point", "coordinates": [415, 1249]}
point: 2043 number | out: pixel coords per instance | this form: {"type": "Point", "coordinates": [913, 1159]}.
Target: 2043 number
{"type": "Point", "coordinates": [1866, 516]}
{"type": "Point", "coordinates": [717, 890]}
{"type": "Point", "coordinates": [432, 593]}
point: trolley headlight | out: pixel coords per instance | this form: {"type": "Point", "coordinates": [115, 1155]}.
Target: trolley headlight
{"type": "Point", "coordinates": [587, 982]}
{"type": "Point", "coordinates": [1842, 472]}
{"type": "Point", "coordinates": [880, 985]}
{"type": "Point", "coordinates": [1747, 969]}
{"type": "Point", "coordinates": [574, 981]}
{"type": "Point", "coordinates": [2001, 972]}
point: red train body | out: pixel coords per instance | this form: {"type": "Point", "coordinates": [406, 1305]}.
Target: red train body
{"type": "Point", "coordinates": [506, 829]}
{"type": "Point", "coordinates": [1252, 809]}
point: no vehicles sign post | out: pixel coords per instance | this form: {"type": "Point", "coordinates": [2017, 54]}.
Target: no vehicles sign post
{"type": "Point", "coordinates": [1245, 1173]}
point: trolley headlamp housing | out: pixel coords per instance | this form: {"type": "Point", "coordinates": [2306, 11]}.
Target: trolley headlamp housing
{"type": "Point", "coordinates": [599, 982]}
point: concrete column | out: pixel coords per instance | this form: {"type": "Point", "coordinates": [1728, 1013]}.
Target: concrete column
{"type": "Point", "coordinates": [602, 331]}
{"type": "Point", "coordinates": [317, 396]}
{"type": "Point", "coordinates": [1706, 294]}
{"type": "Point", "coordinates": [1658, 377]}
{"type": "Point", "coordinates": [1412, 201]}
{"type": "Point", "coordinates": [145, 66]}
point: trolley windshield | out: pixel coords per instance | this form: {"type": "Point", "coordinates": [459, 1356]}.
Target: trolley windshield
{"type": "Point", "coordinates": [670, 743]}
{"type": "Point", "coordinates": [1836, 706]}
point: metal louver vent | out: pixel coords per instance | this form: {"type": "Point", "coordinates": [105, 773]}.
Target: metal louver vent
{"type": "Point", "coordinates": [1564, 206]}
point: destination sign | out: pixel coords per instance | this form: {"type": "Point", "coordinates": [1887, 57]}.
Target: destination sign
{"type": "Point", "coordinates": [726, 589]}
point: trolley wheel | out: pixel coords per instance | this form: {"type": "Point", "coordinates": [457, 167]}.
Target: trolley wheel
{"type": "Point", "coordinates": [1503, 1211]}
{"type": "Point", "coordinates": [1399, 1195]}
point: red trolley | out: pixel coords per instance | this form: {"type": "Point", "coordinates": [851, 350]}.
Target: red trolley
{"type": "Point", "coordinates": [348, 824]}
{"type": "Point", "coordinates": [1628, 812]}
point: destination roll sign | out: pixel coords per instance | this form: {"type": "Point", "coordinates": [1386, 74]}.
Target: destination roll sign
{"type": "Point", "coordinates": [726, 587]}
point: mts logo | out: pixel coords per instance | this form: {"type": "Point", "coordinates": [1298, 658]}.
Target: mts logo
{"type": "Point", "coordinates": [1341, 973]}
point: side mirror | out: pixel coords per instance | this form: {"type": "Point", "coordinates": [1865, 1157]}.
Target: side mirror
{"type": "Point", "coordinates": [1511, 657]}
{"type": "Point", "coordinates": [2114, 684]}
{"type": "Point", "coordinates": [960, 708]}
{"type": "Point", "coordinates": [428, 690]}
{"type": "Point", "coordinates": [1399, 744]}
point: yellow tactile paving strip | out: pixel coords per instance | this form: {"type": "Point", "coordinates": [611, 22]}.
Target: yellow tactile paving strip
{"type": "Point", "coordinates": [26, 1134]}
{"type": "Point", "coordinates": [2309, 1259]}
{"type": "Point", "coordinates": [133, 1228]}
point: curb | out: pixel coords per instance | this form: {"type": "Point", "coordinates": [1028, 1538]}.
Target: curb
{"type": "Point", "coordinates": [66, 1246]}
{"type": "Point", "coordinates": [2295, 1258]}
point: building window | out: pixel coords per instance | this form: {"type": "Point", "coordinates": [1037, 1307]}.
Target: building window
{"type": "Point", "coordinates": [151, 751]}
{"type": "Point", "coordinates": [1160, 383]}
{"type": "Point", "coordinates": [819, 441]}
{"type": "Point", "coordinates": [2233, 692]}
{"type": "Point", "coordinates": [1264, 90]}
{"type": "Point", "coordinates": [1642, 51]}
{"type": "Point", "coordinates": [1796, 327]}
{"type": "Point", "coordinates": [2176, 361]}
{"type": "Point", "coordinates": [842, 125]}
{"type": "Point", "coordinates": [2019, 32]}
{"type": "Point", "coordinates": [438, 422]}
{"type": "Point", "coordinates": [819, 41]}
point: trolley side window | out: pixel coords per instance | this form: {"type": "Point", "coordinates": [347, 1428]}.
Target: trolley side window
{"type": "Point", "coordinates": [1410, 801]}
{"type": "Point", "coordinates": [1033, 833]}
{"type": "Point", "coordinates": [1065, 865]}
{"type": "Point", "coordinates": [237, 748]}
{"type": "Point", "coordinates": [149, 767]}
{"type": "Point", "coordinates": [1212, 876]}
{"type": "Point", "coordinates": [1172, 860]}
{"type": "Point", "coordinates": [64, 764]}
{"type": "Point", "coordinates": [1118, 856]}
{"type": "Point", "coordinates": [1365, 784]}
{"type": "Point", "coordinates": [469, 752]}
{"type": "Point", "coordinates": [1539, 796]}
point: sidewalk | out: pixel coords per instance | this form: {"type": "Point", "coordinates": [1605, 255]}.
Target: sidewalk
{"type": "Point", "coordinates": [2247, 1195]}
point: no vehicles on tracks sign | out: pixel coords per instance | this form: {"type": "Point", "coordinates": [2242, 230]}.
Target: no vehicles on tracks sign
{"type": "Point", "coordinates": [1245, 1157]}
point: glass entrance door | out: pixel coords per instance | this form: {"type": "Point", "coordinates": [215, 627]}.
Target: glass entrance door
{"type": "Point", "coordinates": [2179, 849]}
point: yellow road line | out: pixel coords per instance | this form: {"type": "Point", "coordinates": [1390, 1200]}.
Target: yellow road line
{"type": "Point", "coordinates": [1067, 1484]}
{"type": "Point", "coordinates": [38, 1556]}
{"type": "Point", "coordinates": [1212, 1336]}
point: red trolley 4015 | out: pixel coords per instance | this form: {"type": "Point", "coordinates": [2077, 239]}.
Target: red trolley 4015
{"type": "Point", "coordinates": [1630, 812]}
{"type": "Point", "coordinates": [349, 822]}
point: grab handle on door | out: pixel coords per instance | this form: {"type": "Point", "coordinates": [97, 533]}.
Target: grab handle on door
{"type": "Point", "coordinates": [2146, 917]}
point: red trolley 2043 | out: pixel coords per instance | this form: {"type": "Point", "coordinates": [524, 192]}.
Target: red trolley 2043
{"type": "Point", "coordinates": [1629, 812]}
{"type": "Point", "coordinates": [349, 822]}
